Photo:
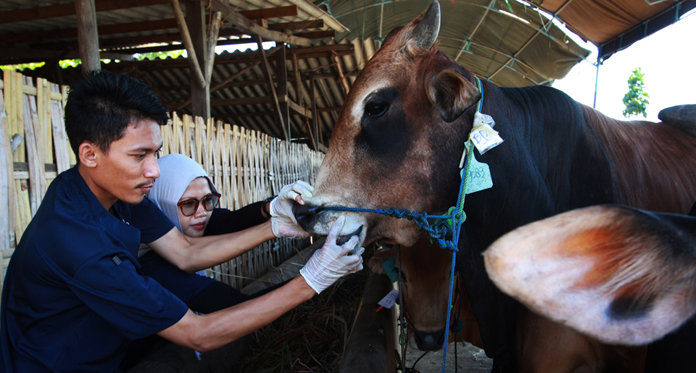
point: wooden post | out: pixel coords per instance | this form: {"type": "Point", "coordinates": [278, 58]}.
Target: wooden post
{"type": "Point", "coordinates": [282, 81]}
{"type": "Point", "coordinates": [193, 36]}
{"type": "Point", "coordinates": [210, 47]}
{"type": "Point", "coordinates": [6, 186]}
{"type": "Point", "coordinates": [87, 34]}
{"type": "Point", "coordinates": [196, 72]}
{"type": "Point", "coordinates": [371, 344]}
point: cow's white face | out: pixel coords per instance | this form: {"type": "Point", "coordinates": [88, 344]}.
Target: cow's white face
{"type": "Point", "coordinates": [397, 142]}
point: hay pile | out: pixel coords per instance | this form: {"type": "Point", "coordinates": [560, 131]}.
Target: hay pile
{"type": "Point", "coordinates": [311, 337]}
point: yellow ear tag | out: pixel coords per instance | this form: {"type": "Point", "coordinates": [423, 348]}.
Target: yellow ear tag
{"type": "Point", "coordinates": [482, 135]}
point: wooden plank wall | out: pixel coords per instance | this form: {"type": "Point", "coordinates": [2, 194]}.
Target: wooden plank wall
{"type": "Point", "coordinates": [246, 166]}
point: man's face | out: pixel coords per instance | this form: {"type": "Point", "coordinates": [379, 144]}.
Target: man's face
{"type": "Point", "coordinates": [129, 169]}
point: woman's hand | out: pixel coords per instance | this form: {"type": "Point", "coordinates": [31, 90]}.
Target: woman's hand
{"type": "Point", "coordinates": [283, 221]}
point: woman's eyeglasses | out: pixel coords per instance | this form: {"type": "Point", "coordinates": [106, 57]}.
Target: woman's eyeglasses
{"type": "Point", "coordinates": [190, 206]}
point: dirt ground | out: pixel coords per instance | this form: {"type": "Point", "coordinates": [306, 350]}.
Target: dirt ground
{"type": "Point", "coordinates": [468, 359]}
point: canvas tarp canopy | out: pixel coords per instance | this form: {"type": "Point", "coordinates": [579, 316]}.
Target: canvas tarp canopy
{"type": "Point", "coordinates": [515, 43]}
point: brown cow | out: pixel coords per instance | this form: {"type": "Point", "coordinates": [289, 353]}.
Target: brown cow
{"type": "Point", "coordinates": [543, 346]}
{"type": "Point", "coordinates": [400, 136]}
{"type": "Point", "coordinates": [424, 270]}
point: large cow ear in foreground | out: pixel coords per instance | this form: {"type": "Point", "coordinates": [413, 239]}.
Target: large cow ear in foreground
{"type": "Point", "coordinates": [426, 29]}
{"type": "Point", "coordinates": [451, 93]}
{"type": "Point", "coordinates": [618, 274]}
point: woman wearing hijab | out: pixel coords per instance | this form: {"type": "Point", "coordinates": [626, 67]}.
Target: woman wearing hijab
{"type": "Point", "coordinates": [188, 197]}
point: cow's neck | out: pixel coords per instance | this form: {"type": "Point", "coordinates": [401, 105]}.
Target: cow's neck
{"type": "Point", "coordinates": [549, 162]}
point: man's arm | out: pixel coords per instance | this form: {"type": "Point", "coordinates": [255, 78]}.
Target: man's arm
{"type": "Point", "coordinates": [208, 332]}
{"type": "Point", "coordinates": [191, 254]}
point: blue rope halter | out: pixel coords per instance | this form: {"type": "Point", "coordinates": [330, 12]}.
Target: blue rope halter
{"type": "Point", "coordinates": [448, 225]}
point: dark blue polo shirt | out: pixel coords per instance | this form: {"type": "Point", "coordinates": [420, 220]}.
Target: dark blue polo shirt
{"type": "Point", "coordinates": [74, 294]}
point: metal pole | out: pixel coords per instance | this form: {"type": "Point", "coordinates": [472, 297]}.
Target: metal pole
{"type": "Point", "coordinates": [596, 82]}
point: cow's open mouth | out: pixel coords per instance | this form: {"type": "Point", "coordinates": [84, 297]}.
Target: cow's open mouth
{"type": "Point", "coordinates": [341, 240]}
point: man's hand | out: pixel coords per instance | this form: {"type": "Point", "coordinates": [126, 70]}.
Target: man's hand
{"type": "Point", "coordinates": [332, 261]}
{"type": "Point", "coordinates": [283, 221]}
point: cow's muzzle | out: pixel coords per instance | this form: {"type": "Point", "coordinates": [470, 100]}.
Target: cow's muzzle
{"type": "Point", "coordinates": [317, 220]}
{"type": "Point", "coordinates": [306, 215]}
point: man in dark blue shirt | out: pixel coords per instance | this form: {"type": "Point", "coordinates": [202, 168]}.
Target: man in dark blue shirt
{"type": "Point", "coordinates": [74, 294]}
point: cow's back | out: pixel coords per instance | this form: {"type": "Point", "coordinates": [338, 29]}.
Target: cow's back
{"type": "Point", "coordinates": [654, 165]}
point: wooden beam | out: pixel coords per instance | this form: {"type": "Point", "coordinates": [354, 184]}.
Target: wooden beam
{"type": "Point", "coordinates": [329, 109]}
{"type": "Point", "coordinates": [344, 82]}
{"type": "Point", "coordinates": [265, 113]}
{"type": "Point", "coordinates": [328, 34]}
{"type": "Point", "coordinates": [67, 9]}
{"type": "Point", "coordinates": [247, 101]}
{"type": "Point", "coordinates": [282, 11]}
{"type": "Point", "coordinates": [193, 60]}
{"type": "Point", "coordinates": [243, 24]}
{"type": "Point", "coordinates": [331, 76]}
{"type": "Point", "coordinates": [161, 24]}
{"type": "Point", "coordinates": [70, 33]}
{"type": "Point", "coordinates": [323, 48]}
{"type": "Point", "coordinates": [300, 110]}
{"type": "Point", "coordinates": [88, 37]}
{"type": "Point", "coordinates": [160, 48]}
{"type": "Point", "coordinates": [299, 25]}
{"type": "Point", "coordinates": [176, 37]}
{"type": "Point", "coordinates": [267, 71]}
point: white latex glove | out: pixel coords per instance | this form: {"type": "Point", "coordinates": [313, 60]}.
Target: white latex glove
{"type": "Point", "coordinates": [332, 261]}
{"type": "Point", "coordinates": [283, 221]}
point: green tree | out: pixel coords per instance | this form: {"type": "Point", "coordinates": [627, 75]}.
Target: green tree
{"type": "Point", "coordinates": [636, 100]}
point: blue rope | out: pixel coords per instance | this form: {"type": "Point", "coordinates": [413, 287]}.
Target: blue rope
{"type": "Point", "coordinates": [440, 229]}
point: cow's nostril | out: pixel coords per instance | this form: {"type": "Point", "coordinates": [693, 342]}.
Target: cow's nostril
{"type": "Point", "coordinates": [429, 341]}
{"type": "Point", "coordinates": [304, 213]}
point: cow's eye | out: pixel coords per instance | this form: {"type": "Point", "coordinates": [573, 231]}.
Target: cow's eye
{"type": "Point", "coordinates": [375, 109]}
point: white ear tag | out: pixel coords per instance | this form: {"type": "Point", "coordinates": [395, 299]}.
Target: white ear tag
{"type": "Point", "coordinates": [482, 135]}
{"type": "Point", "coordinates": [390, 299]}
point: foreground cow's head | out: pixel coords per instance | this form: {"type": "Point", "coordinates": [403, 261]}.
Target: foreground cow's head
{"type": "Point", "coordinates": [398, 138]}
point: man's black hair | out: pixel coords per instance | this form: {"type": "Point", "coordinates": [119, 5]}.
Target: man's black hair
{"type": "Point", "coordinates": [102, 104]}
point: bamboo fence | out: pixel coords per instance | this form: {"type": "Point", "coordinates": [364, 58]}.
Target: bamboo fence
{"type": "Point", "coordinates": [246, 166]}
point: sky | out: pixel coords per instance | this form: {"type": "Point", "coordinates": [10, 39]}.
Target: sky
{"type": "Point", "coordinates": [667, 58]}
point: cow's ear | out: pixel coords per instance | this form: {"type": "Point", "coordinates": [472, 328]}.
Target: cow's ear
{"type": "Point", "coordinates": [451, 93]}
{"type": "Point", "coordinates": [619, 274]}
{"type": "Point", "coordinates": [375, 263]}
